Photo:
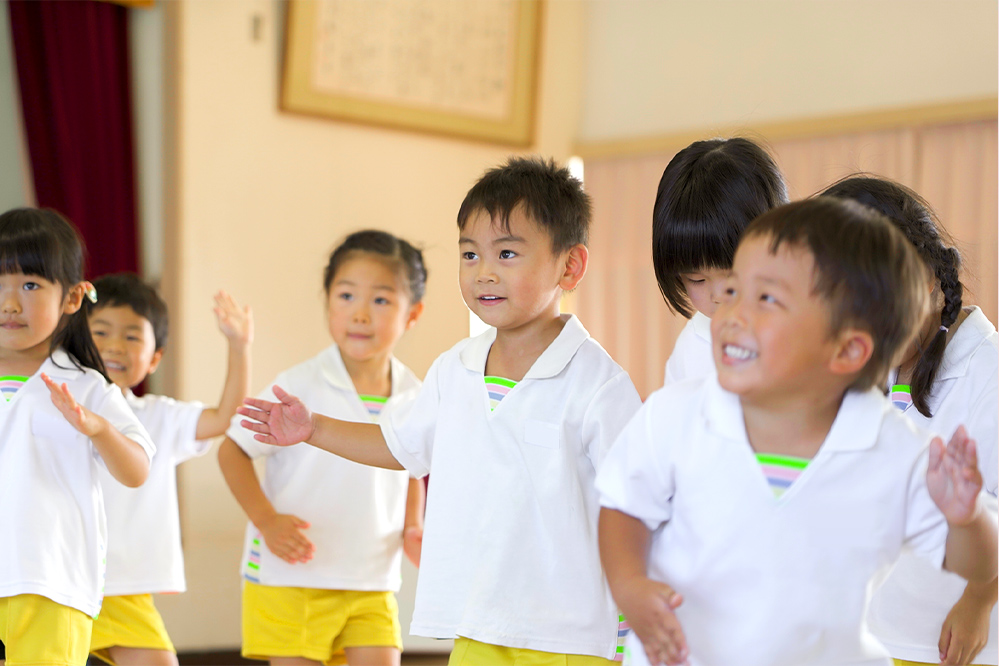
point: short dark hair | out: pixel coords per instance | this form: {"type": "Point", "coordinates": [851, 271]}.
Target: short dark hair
{"type": "Point", "coordinates": [865, 269]}
{"type": "Point", "coordinates": [709, 192]}
{"type": "Point", "coordinates": [551, 196]}
{"type": "Point", "coordinates": [402, 256]}
{"type": "Point", "coordinates": [910, 213]}
{"type": "Point", "coordinates": [128, 289]}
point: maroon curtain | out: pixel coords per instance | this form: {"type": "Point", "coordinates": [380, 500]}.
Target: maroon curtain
{"type": "Point", "coordinates": [73, 69]}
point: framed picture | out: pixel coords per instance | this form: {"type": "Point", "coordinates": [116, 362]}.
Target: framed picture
{"type": "Point", "coordinates": [464, 68]}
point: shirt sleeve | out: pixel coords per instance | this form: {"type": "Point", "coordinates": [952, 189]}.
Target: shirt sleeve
{"type": "Point", "coordinates": [187, 445]}
{"type": "Point", "coordinates": [983, 427]}
{"type": "Point", "coordinates": [113, 407]}
{"type": "Point", "coordinates": [410, 426]}
{"type": "Point", "coordinates": [925, 525]}
{"type": "Point", "coordinates": [609, 411]}
{"type": "Point", "coordinates": [636, 476]}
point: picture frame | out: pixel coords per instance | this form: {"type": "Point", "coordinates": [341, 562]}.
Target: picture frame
{"type": "Point", "coordinates": [462, 68]}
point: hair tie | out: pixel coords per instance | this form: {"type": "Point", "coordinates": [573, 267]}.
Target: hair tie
{"type": "Point", "coordinates": [90, 291]}
{"type": "Point", "coordinates": [944, 329]}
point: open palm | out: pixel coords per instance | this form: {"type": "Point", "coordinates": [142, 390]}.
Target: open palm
{"type": "Point", "coordinates": [953, 478]}
{"type": "Point", "coordinates": [279, 423]}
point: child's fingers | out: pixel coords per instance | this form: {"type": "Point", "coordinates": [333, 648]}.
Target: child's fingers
{"type": "Point", "coordinates": [253, 426]}
{"type": "Point", "coordinates": [266, 439]}
{"type": "Point", "coordinates": [282, 395]}
{"type": "Point", "coordinates": [937, 452]}
{"type": "Point", "coordinates": [264, 406]}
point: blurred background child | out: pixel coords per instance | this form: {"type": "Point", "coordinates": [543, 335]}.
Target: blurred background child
{"type": "Point", "coordinates": [947, 377]}
{"type": "Point", "coordinates": [129, 325]}
{"type": "Point", "coordinates": [708, 193]}
{"type": "Point", "coordinates": [323, 547]}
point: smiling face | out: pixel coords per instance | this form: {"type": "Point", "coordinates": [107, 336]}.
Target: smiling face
{"type": "Point", "coordinates": [369, 308]}
{"type": "Point", "coordinates": [704, 288]}
{"type": "Point", "coordinates": [510, 278]}
{"type": "Point", "coordinates": [30, 310]}
{"type": "Point", "coordinates": [126, 343]}
{"type": "Point", "coordinates": [771, 334]}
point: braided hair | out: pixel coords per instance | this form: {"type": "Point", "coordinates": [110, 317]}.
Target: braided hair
{"type": "Point", "coordinates": [914, 217]}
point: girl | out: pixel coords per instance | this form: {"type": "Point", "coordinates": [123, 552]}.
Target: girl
{"type": "Point", "coordinates": [59, 416]}
{"type": "Point", "coordinates": [948, 377]}
{"type": "Point", "coordinates": [708, 193]}
{"type": "Point", "coordinates": [322, 554]}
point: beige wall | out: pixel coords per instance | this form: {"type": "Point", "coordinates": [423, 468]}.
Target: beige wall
{"type": "Point", "coordinates": [261, 197]}
{"type": "Point", "coordinates": [664, 66]}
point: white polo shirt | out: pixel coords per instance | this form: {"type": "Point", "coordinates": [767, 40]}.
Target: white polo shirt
{"type": "Point", "coordinates": [51, 506]}
{"type": "Point", "coordinates": [144, 550]}
{"type": "Point", "coordinates": [356, 512]}
{"type": "Point", "coordinates": [510, 545]}
{"type": "Point", "coordinates": [908, 611]}
{"type": "Point", "coordinates": [772, 581]}
{"type": "Point", "coordinates": [692, 356]}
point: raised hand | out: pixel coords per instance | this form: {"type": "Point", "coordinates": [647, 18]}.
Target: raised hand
{"type": "Point", "coordinates": [953, 478]}
{"type": "Point", "coordinates": [965, 630]}
{"type": "Point", "coordinates": [278, 423]}
{"type": "Point", "coordinates": [236, 324]}
{"type": "Point", "coordinates": [649, 607]}
{"type": "Point", "coordinates": [78, 416]}
{"type": "Point", "coordinates": [284, 537]}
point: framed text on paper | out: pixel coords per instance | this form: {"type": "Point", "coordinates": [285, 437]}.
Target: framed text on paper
{"type": "Point", "coordinates": [460, 67]}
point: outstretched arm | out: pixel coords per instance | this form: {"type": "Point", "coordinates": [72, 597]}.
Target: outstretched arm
{"type": "Point", "coordinates": [954, 482]}
{"type": "Point", "coordinates": [283, 533]}
{"type": "Point", "coordinates": [236, 325]}
{"type": "Point", "coordinates": [125, 459]}
{"type": "Point", "coordinates": [290, 422]}
{"type": "Point", "coordinates": [647, 604]}
{"type": "Point", "coordinates": [412, 534]}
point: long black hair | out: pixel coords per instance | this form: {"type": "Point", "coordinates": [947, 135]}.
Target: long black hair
{"type": "Point", "coordinates": [42, 242]}
{"type": "Point", "coordinates": [913, 217]}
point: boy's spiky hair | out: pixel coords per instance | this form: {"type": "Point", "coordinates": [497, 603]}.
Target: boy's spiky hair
{"type": "Point", "coordinates": [128, 289]}
{"type": "Point", "coordinates": [550, 195]}
{"type": "Point", "coordinates": [869, 274]}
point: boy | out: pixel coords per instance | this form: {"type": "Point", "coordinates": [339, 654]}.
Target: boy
{"type": "Point", "coordinates": [129, 325]}
{"type": "Point", "coordinates": [780, 492]}
{"type": "Point", "coordinates": [512, 426]}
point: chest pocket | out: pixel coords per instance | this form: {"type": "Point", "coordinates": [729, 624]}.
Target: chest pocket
{"type": "Point", "coordinates": [53, 429]}
{"type": "Point", "coordinates": [541, 433]}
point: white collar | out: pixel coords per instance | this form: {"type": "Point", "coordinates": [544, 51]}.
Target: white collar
{"type": "Point", "coordinates": [552, 360]}
{"type": "Point", "coordinates": [973, 332]}
{"type": "Point", "coordinates": [335, 372]}
{"type": "Point", "coordinates": [59, 365]}
{"type": "Point", "coordinates": [702, 325]}
{"type": "Point", "coordinates": [855, 428]}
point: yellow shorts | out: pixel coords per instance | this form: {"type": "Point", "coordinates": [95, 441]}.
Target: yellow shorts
{"type": "Point", "coordinates": [316, 624]}
{"type": "Point", "coordinates": [128, 620]}
{"type": "Point", "coordinates": [902, 662]}
{"type": "Point", "coordinates": [37, 630]}
{"type": "Point", "coordinates": [467, 652]}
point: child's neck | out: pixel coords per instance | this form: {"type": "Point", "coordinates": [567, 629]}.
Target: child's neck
{"type": "Point", "coordinates": [25, 365]}
{"type": "Point", "coordinates": [792, 427]}
{"type": "Point", "coordinates": [370, 376]}
{"type": "Point", "coordinates": [515, 350]}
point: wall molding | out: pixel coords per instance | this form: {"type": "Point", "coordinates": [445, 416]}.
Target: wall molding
{"type": "Point", "coordinates": [908, 116]}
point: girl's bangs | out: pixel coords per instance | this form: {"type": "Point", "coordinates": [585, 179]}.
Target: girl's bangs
{"type": "Point", "coordinates": [30, 254]}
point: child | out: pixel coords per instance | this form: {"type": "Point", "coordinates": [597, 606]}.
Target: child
{"type": "Point", "coordinates": [129, 325]}
{"type": "Point", "coordinates": [746, 516]}
{"type": "Point", "coordinates": [322, 589]}
{"type": "Point", "coordinates": [709, 192]}
{"type": "Point", "coordinates": [60, 418]}
{"type": "Point", "coordinates": [947, 377]}
{"type": "Point", "coordinates": [512, 426]}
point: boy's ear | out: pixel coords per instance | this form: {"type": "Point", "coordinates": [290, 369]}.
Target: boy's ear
{"type": "Point", "coordinates": [414, 314]}
{"type": "Point", "coordinates": [155, 362]}
{"type": "Point", "coordinates": [853, 350]}
{"type": "Point", "coordinates": [576, 260]}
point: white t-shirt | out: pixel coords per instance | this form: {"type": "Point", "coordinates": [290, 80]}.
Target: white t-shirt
{"type": "Point", "coordinates": [692, 356]}
{"type": "Point", "coordinates": [766, 581]}
{"type": "Point", "coordinates": [510, 546]}
{"type": "Point", "coordinates": [908, 611]}
{"type": "Point", "coordinates": [144, 552]}
{"type": "Point", "coordinates": [356, 512]}
{"type": "Point", "coordinates": [51, 505]}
